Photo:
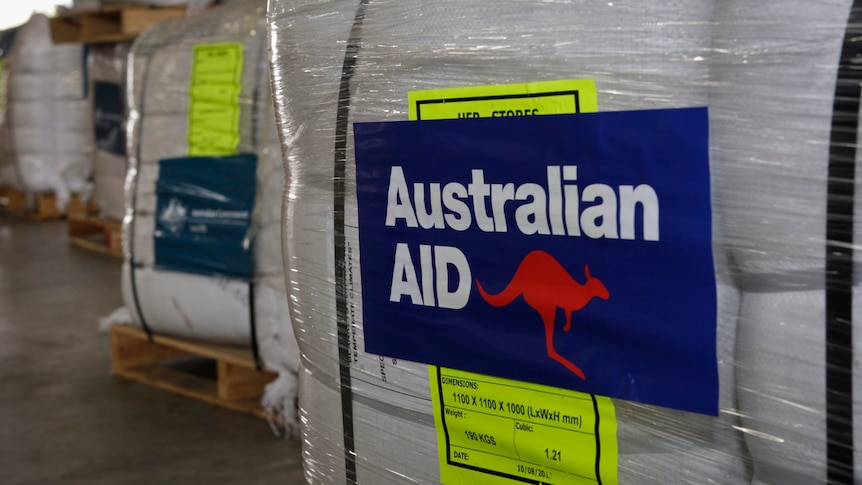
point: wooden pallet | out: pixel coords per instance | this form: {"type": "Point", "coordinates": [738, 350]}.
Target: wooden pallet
{"type": "Point", "coordinates": [111, 23]}
{"type": "Point", "coordinates": [89, 231]}
{"type": "Point", "coordinates": [176, 365]}
{"type": "Point", "coordinates": [41, 206]}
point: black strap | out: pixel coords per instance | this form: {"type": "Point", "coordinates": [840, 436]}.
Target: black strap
{"type": "Point", "coordinates": [339, 174]}
{"type": "Point", "coordinates": [86, 50]}
{"type": "Point", "coordinates": [598, 440]}
{"type": "Point", "coordinates": [255, 349]}
{"type": "Point", "coordinates": [839, 255]}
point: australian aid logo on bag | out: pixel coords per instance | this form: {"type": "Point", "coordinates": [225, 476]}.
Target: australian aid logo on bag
{"type": "Point", "coordinates": [567, 250]}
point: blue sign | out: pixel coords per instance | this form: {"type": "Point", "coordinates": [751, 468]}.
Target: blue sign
{"type": "Point", "coordinates": [204, 208]}
{"type": "Point", "coordinates": [568, 250]}
{"type": "Point", "coordinates": [108, 117]}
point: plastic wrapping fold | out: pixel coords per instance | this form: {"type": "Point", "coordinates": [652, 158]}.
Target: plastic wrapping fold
{"type": "Point", "coordinates": [173, 226]}
{"type": "Point", "coordinates": [778, 143]}
{"type": "Point", "coordinates": [46, 139]}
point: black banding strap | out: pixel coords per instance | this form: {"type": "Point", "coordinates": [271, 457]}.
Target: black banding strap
{"type": "Point", "coordinates": [255, 349]}
{"type": "Point", "coordinates": [339, 174]}
{"type": "Point", "coordinates": [839, 254]}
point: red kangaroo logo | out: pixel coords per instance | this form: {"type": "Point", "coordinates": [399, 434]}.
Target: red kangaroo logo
{"type": "Point", "coordinates": [546, 285]}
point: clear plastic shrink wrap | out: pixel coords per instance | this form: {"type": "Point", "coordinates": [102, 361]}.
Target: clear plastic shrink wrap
{"type": "Point", "coordinates": [782, 146]}
{"type": "Point", "coordinates": [49, 147]}
{"type": "Point", "coordinates": [212, 307]}
{"type": "Point", "coordinates": [107, 85]}
{"type": "Point", "coordinates": [784, 139]}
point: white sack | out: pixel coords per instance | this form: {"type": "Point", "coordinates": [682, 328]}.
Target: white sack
{"type": "Point", "coordinates": [641, 56]}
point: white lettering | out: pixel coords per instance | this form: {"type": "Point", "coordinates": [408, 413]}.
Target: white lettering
{"type": "Point", "coordinates": [404, 281]}
{"type": "Point", "coordinates": [573, 227]}
{"type": "Point", "coordinates": [218, 213]}
{"type": "Point", "coordinates": [558, 207]}
{"type": "Point", "coordinates": [444, 257]}
{"type": "Point", "coordinates": [605, 211]}
{"type": "Point", "coordinates": [629, 198]}
{"type": "Point", "coordinates": [532, 217]}
{"type": "Point", "coordinates": [398, 201]}
{"type": "Point", "coordinates": [555, 199]}
{"type": "Point", "coordinates": [460, 219]}
{"type": "Point", "coordinates": [478, 189]}
{"type": "Point", "coordinates": [500, 194]}
{"type": "Point", "coordinates": [427, 275]}
{"type": "Point", "coordinates": [434, 217]}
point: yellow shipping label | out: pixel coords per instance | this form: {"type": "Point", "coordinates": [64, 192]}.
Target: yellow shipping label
{"type": "Point", "coordinates": [528, 99]}
{"type": "Point", "coordinates": [499, 431]}
{"type": "Point", "coordinates": [214, 99]}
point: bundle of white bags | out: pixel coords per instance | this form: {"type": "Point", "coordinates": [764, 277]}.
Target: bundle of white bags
{"type": "Point", "coordinates": [767, 72]}
{"type": "Point", "coordinates": [48, 144]}
{"type": "Point", "coordinates": [207, 308]}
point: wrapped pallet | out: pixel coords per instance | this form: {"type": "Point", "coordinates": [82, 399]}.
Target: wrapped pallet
{"type": "Point", "coordinates": [785, 110]}
{"type": "Point", "coordinates": [108, 96]}
{"type": "Point", "coordinates": [402, 237]}
{"type": "Point", "coordinates": [49, 147]}
{"type": "Point", "coordinates": [338, 65]}
{"type": "Point", "coordinates": [201, 232]}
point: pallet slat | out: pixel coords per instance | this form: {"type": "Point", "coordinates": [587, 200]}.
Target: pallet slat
{"type": "Point", "coordinates": [117, 23]}
{"type": "Point", "coordinates": [237, 385]}
{"type": "Point", "coordinates": [41, 206]}
{"type": "Point", "coordinates": [95, 233]}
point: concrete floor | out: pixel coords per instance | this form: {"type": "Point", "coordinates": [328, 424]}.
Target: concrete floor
{"type": "Point", "coordinates": [65, 419]}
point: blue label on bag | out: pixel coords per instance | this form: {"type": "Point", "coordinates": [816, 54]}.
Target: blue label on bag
{"type": "Point", "coordinates": [204, 208]}
{"type": "Point", "coordinates": [567, 250]}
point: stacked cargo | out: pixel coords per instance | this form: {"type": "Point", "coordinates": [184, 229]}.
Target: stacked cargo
{"type": "Point", "coordinates": [711, 301]}
{"type": "Point", "coordinates": [203, 201]}
{"type": "Point", "coordinates": [47, 147]}
{"type": "Point", "coordinates": [95, 223]}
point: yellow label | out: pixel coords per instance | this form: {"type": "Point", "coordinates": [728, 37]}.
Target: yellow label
{"type": "Point", "coordinates": [499, 431]}
{"type": "Point", "coordinates": [529, 99]}
{"type": "Point", "coordinates": [214, 99]}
